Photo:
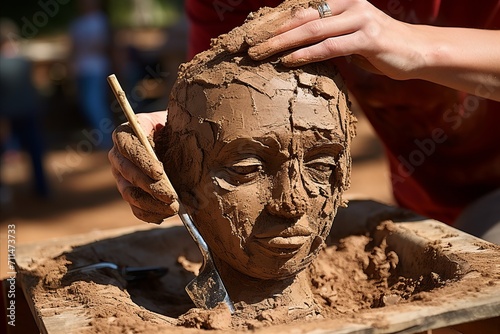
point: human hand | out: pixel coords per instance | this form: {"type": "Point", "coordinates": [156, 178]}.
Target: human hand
{"type": "Point", "coordinates": [140, 178]}
{"type": "Point", "coordinates": [375, 41]}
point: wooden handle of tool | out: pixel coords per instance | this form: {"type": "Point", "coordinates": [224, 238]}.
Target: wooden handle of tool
{"type": "Point", "coordinates": [132, 119]}
{"type": "Point", "coordinates": [134, 123]}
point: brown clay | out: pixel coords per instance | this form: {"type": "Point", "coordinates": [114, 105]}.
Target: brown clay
{"type": "Point", "coordinates": [349, 278]}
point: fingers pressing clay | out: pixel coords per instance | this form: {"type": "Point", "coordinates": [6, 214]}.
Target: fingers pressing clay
{"type": "Point", "coordinates": [129, 146]}
{"type": "Point", "coordinates": [149, 206]}
{"type": "Point", "coordinates": [127, 174]}
{"type": "Point", "coordinates": [144, 206]}
{"type": "Point", "coordinates": [258, 37]}
{"type": "Point", "coordinates": [271, 31]}
{"type": "Point", "coordinates": [311, 32]}
{"type": "Point", "coordinates": [122, 167]}
{"type": "Point", "coordinates": [147, 216]}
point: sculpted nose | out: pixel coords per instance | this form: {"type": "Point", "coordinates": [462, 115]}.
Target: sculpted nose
{"type": "Point", "coordinates": [289, 198]}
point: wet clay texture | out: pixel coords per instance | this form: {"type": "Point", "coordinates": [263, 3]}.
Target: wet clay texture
{"type": "Point", "coordinates": [405, 275]}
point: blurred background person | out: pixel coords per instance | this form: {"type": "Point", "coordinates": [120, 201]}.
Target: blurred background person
{"type": "Point", "coordinates": [20, 109]}
{"type": "Point", "coordinates": [90, 38]}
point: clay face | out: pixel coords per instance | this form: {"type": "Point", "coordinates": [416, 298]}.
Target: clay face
{"type": "Point", "coordinates": [272, 161]}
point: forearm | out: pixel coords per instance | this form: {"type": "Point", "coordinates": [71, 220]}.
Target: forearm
{"type": "Point", "coordinates": [464, 59]}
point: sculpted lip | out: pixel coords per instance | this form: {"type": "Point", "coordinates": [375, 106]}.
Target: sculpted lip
{"type": "Point", "coordinates": [283, 242]}
{"type": "Point", "coordinates": [284, 232]}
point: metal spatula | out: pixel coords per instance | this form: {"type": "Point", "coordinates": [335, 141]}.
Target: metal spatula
{"type": "Point", "coordinates": [128, 273]}
{"type": "Point", "coordinates": [207, 290]}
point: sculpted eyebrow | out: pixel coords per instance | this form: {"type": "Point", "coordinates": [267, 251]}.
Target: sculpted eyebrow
{"type": "Point", "coordinates": [325, 148]}
{"type": "Point", "coordinates": [257, 145]}
{"type": "Point", "coordinates": [253, 142]}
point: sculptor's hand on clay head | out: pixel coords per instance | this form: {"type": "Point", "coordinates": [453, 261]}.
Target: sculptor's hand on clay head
{"type": "Point", "coordinates": [459, 58]}
{"type": "Point", "coordinates": [356, 28]}
{"type": "Point", "coordinates": [139, 178]}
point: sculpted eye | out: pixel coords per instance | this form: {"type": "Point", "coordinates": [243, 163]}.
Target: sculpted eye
{"type": "Point", "coordinates": [321, 169]}
{"type": "Point", "coordinates": [244, 170]}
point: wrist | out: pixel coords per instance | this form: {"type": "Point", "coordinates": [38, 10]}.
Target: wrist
{"type": "Point", "coordinates": [433, 53]}
{"type": "Point", "coordinates": [427, 53]}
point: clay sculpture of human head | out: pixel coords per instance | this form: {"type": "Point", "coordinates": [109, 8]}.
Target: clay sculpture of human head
{"type": "Point", "coordinates": [259, 155]}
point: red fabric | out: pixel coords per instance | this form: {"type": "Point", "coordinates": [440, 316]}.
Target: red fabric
{"type": "Point", "coordinates": [443, 146]}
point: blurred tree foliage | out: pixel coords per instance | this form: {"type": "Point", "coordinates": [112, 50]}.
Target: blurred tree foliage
{"type": "Point", "coordinates": [144, 13]}
{"type": "Point", "coordinates": [44, 17]}
{"type": "Point", "coordinates": [39, 17]}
